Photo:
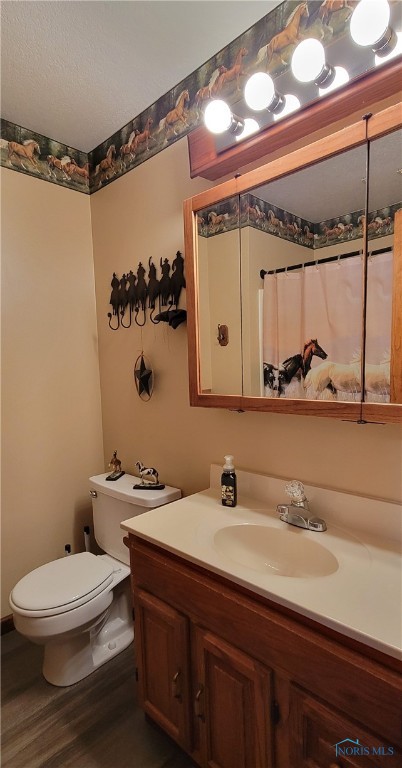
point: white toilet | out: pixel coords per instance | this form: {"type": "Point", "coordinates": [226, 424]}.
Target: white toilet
{"type": "Point", "coordinates": [79, 607]}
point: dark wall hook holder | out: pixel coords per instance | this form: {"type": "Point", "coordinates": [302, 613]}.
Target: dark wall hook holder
{"type": "Point", "coordinates": [133, 296]}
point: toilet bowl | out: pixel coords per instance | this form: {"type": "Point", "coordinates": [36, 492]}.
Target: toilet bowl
{"type": "Point", "coordinates": [79, 607]}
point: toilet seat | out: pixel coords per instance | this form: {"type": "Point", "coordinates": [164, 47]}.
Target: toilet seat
{"type": "Point", "coordinates": [61, 585]}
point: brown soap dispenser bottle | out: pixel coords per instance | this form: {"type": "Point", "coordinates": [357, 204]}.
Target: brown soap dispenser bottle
{"type": "Point", "coordinates": [228, 483]}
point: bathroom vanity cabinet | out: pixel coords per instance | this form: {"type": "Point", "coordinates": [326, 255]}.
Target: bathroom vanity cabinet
{"type": "Point", "coordinates": [239, 682]}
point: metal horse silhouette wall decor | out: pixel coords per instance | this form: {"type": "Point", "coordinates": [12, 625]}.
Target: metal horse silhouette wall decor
{"type": "Point", "coordinates": [132, 295]}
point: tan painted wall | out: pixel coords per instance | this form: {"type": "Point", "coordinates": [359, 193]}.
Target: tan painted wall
{"type": "Point", "coordinates": [137, 217]}
{"type": "Point", "coordinates": [51, 418]}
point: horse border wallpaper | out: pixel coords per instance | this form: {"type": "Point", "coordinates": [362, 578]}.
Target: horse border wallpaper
{"type": "Point", "coordinates": [31, 153]}
{"type": "Point", "coordinates": [267, 45]}
{"type": "Point", "coordinates": [272, 220]}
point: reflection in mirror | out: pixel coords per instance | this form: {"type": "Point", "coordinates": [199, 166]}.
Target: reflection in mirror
{"type": "Point", "coordinates": [384, 218]}
{"type": "Point", "coordinates": [218, 263]}
{"type": "Point", "coordinates": [302, 323]}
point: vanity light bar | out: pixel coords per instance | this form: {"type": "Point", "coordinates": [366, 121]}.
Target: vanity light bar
{"type": "Point", "coordinates": [369, 28]}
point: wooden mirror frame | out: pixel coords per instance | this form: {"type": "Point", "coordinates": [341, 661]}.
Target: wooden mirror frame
{"type": "Point", "coordinates": [354, 135]}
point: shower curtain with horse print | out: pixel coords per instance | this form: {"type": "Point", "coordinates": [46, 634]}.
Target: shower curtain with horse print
{"type": "Point", "coordinates": [312, 330]}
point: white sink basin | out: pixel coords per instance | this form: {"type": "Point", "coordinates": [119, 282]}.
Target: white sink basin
{"type": "Point", "coordinates": [275, 551]}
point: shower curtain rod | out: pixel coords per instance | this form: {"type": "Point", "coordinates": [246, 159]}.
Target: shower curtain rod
{"type": "Point", "coordinates": [264, 272]}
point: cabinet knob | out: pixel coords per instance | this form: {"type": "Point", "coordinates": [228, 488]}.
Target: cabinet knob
{"type": "Point", "coordinates": [335, 765]}
{"type": "Point", "coordinates": [176, 693]}
{"type": "Point", "coordinates": [198, 704]}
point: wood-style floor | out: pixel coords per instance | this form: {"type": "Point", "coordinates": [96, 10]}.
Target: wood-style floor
{"type": "Point", "coordinates": [94, 724]}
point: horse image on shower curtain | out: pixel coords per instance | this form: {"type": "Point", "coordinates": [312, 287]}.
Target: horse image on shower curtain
{"type": "Point", "coordinates": [323, 303]}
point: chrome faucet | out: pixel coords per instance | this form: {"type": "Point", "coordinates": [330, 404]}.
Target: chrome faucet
{"type": "Point", "coordinates": [298, 511]}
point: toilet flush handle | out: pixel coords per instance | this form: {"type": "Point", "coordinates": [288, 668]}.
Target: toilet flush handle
{"type": "Point", "coordinates": [93, 494]}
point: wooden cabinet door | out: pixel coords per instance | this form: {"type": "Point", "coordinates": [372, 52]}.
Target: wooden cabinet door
{"type": "Point", "coordinates": [323, 738]}
{"type": "Point", "coordinates": [162, 652]}
{"type": "Point", "coordinates": [232, 706]}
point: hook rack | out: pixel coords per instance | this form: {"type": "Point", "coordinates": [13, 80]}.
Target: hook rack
{"type": "Point", "coordinates": [132, 295]}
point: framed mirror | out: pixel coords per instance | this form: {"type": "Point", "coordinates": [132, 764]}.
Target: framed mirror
{"type": "Point", "coordinates": [309, 305]}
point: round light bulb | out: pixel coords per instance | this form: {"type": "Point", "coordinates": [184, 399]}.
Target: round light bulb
{"type": "Point", "coordinates": [396, 51]}
{"type": "Point", "coordinates": [341, 77]}
{"type": "Point", "coordinates": [292, 103]}
{"type": "Point", "coordinates": [217, 116]}
{"type": "Point", "coordinates": [259, 91]}
{"type": "Point", "coordinates": [369, 21]}
{"type": "Point", "coordinates": [250, 126]}
{"type": "Point", "coordinates": [308, 60]}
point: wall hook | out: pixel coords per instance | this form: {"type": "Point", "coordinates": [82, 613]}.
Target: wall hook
{"type": "Point", "coordinates": [137, 309]}
{"type": "Point", "coordinates": [130, 321]}
{"type": "Point", "coordinates": [151, 317]}
{"type": "Point", "coordinates": [109, 314]}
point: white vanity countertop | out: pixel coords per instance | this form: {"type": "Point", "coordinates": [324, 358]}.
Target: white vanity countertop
{"type": "Point", "coordinates": [361, 599]}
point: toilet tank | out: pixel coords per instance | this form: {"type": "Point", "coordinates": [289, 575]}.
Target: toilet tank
{"type": "Point", "coordinates": [117, 500]}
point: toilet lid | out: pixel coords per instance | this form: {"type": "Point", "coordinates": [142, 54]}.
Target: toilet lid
{"type": "Point", "coordinates": [62, 582]}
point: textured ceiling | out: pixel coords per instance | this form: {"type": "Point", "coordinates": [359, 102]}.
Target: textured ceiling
{"type": "Point", "coordinates": [77, 71]}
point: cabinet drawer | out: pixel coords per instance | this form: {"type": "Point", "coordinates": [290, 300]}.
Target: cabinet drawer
{"type": "Point", "coordinates": [323, 738]}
